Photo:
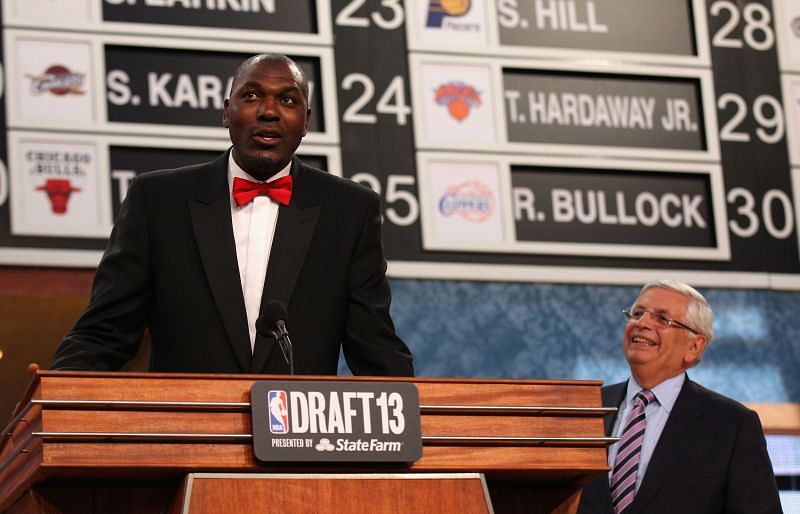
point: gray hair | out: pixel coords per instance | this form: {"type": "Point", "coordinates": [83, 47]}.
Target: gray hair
{"type": "Point", "coordinates": [698, 312]}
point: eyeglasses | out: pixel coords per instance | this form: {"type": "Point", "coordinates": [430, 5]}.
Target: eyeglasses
{"type": "Point", "coordinates": [658, 318]}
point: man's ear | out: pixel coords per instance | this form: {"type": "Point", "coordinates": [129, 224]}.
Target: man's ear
{"type": "Point", "coordinates": [694, 351]}
{"type": "Point", "coordinates": [225, 107]}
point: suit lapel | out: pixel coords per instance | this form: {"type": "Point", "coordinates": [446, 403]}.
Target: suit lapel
{"type": "Point", "coordinates": [613, 396]}
{"type": "Point", "coordinates": [211, 220]}
{"type": "Point", "coordinates": [679, 431]}
{"type": "Point", "coordinates": [293, 233]}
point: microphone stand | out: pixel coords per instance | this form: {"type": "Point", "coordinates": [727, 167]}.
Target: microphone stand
{"type": "Point", "coordinates": [288, 351]}
{"type": "Point", "coordinates": [281, 336]}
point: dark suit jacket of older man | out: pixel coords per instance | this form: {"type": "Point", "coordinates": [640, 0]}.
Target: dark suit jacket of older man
{"type": "Point", "coordinates": [711, 458]}
{"type": "Point", "coordinates": [171, 265]}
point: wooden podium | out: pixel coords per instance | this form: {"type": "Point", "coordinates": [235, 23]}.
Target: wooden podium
{"type": "Point", "coordinates": [152, 442]}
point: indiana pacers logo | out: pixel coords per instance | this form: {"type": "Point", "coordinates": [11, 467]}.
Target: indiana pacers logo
{"type": "Point", "coordinates": [459, 97]}
{"type": "Point", "coordinates": [438, 10]}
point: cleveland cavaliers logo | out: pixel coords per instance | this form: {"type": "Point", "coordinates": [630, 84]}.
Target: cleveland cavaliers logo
{"type": "Point", "coordinates": [58, 80]}
{"type": "Point", "coordinates": [459, 97]}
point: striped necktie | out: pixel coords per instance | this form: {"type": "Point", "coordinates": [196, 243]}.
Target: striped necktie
{"type": "Point", "coordinates": [626, 464]}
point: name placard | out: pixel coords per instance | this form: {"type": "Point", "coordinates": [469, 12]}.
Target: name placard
{"type": "Point", "coordinates": [335, 421]}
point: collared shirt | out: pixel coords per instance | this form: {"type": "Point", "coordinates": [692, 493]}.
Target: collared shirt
{"type": "Point", "coordinates": [253, 229]}
{"type": "Point", "coordinates": [656, 413]}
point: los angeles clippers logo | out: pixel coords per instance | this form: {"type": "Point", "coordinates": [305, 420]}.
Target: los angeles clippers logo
{"type": "Point", "coordinates": [459, 97]}
{"type": "Point", "coordinates": [471, 200]}
{"type": "Point", "coordinates": [278, 412]}
{"type": "Point", "coordinates": [438, 10]}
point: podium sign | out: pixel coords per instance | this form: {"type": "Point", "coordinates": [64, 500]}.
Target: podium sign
{"type": "Point", "coordinates": [321, 421]}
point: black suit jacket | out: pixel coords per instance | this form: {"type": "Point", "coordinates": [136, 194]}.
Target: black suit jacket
{"type": "Point", "coordinates": [171, 266]}
{"type": "Point", "coordinates": [711, 458]}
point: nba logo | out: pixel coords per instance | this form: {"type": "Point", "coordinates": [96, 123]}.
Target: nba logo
{"type": "Point", "coordinates": [278, 412]}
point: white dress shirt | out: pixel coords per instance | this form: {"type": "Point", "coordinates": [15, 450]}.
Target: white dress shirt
{"type": "Point", "coordinates": [656, 413]}
{"type": "Point", "coordinates": [253, 229]}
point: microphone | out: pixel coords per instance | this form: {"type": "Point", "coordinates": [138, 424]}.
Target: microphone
{"type": "Point", "coordinates": [273, 322]}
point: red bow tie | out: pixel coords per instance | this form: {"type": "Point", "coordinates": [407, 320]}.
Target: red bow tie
{"type": "Point", "coordinates": [279, 190]}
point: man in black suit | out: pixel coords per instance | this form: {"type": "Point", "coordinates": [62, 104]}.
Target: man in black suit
{"type": "Point", "coordinates": [197, 252]}
{"type": "Point", "coordinates": [691, 451]}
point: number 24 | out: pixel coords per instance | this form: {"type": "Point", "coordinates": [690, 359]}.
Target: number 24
{"type": "Point", "coordinates": [392, 101]}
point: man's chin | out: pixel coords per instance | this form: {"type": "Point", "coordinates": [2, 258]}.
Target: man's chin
{"type": "Point", "coordinates": [639, 355]}
{"type": "Point", "coordinates": [263, 166]}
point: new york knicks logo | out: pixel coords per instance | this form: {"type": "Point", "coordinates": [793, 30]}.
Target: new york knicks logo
{"type": "Point", "coordinates": [471, 200]}
{"type": "Point", "coordinates": [438, 10]}
{"type": "Point", "coordinates": [278, 412]}
{"type": "Point", "coordinates": [459, 97]}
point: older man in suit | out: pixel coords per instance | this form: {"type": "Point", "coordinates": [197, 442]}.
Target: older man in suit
{"type": "Point", "coordinates": [683, 449]}
{"type": "Point", "coordinates": [198, 252]}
